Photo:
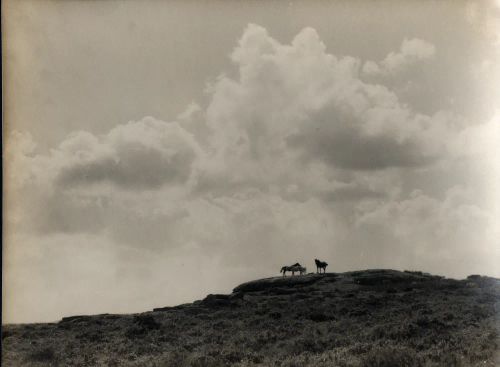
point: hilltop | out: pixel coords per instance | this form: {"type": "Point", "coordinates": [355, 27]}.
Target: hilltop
{"type": "Point", "coordinates": [361, 318]}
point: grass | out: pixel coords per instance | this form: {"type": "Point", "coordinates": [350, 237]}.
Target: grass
{"type": "Point", "coordinates": [358, 319]}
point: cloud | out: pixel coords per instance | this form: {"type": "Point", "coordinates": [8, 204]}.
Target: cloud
{"type": "Point", "coordinates": [141, 155]}
{"type": "Point", "coordinates": [145, 155]}
{"type": "Point", "coordinates": [297, 123]}
{"type": "Point", "coordinates": [368, 141]}
{"type": "Point", "coordinates": [92, 183]}
{"type": "Point", "coordinates": [138, 155]}
{"type": "Point", "coordinates": [292, 109]}
{"type": "Point", "coordinates": [410, 52]}
{"type": "Point", "coordinates": [299, 102]}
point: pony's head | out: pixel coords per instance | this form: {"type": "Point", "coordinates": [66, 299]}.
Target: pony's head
{"type": "Point", "coordinates": [283, 269]}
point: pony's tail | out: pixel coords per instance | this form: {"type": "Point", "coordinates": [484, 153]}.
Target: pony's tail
{"type": "Point", "coordinates": [281, 271]}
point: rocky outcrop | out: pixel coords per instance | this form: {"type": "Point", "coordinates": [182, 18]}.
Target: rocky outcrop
{"type": "Point", "coordinates": [386, 276]}
{"type": "Point", "coordinates": [280, 282]}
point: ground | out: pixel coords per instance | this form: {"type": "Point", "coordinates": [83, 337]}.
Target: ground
{"type": "Point", "coordinates": [364, 318]}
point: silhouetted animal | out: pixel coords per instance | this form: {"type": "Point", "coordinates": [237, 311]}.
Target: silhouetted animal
{"type": "Point", "coordinates": [320, 265]}
{"type": "Point", "coordinates": [293, 268]}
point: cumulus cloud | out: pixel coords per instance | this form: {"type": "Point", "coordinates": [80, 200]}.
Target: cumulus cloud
{"type": "Point", "coordinates": [297, 122]}
{"type": "Point", "coordinates": [300, 102]}
{"type": "Point", "coordinates": [144, 154]}
{"type": "Point", "coordinates": [410, 52]}
{"type": "Point", "coordinates": [90, 182]}
{"type": "Point", "coordinates": [292, 109]}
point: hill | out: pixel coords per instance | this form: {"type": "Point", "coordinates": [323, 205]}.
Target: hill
{"type": "Point", "coordinates": [361, 318]}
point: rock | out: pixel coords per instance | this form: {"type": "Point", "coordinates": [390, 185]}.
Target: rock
{"type": "Point", "coordinates": [280, 282]}
{"type": "Point", "coordinates": [172, 308]}
{"type": "Point", "coordinates": [383, 276]}
{"type": "Point", "coordinates": [81, 318]}
{"type": "Point", "coordinates": [214, 300]}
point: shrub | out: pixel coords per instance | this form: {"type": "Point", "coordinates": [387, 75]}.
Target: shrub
{"type": "Point", "coordinates": [318, 317]}
{"type": "Point", "coordinates": [146, 322]}
{"type": "Point", "coordinates": [275, 315]}
{"type": "Point", "coordinates": [6, 334]}
{"type": "Point", "coordinates": [391, 357]}
{"type": "Point", "coordinates": [45, 354]}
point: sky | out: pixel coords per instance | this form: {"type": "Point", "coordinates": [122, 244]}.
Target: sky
{"type": "Point", "coordinates": [156, 152]}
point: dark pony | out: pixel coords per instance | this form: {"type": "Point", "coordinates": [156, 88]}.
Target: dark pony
{"type": "Point", "coordinates": [320, 265]}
